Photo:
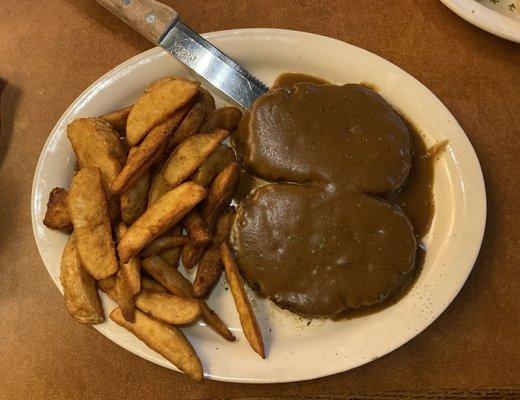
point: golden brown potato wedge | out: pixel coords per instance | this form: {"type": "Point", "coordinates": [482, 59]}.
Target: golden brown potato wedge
{"type": "Point", "coordinates": [245, 311]}
{"type": "Point", "coordinates": [124, 297]}
{"type": "Point", "coordinates": [165, 242]}
{"type": "Point", "coordinates": [220, 193]}
{"type": "Point", "coordinates": [161, 216]}
{"type": "Point", "coordinates": [166, 307]}
{"type": "Point", "coordinates": [190, 154]}
{"type": "Point", "coordinates": [107, 283]}
{"type": "Point", "coordinates": [135, 200]}
{"type": "Point", "coordinates": [172, 256]}
{"type": "Point", "coordinates": [212, 320]}
{"type": "Point", "coordinates": [151, 284]}
{"type": "Point", "coordinates": [167, 276]}
{"type": "Point", "coordinates": [57, 215]}
{"type": "Point", "coordinates": [127, 281]}
{"type": "Point", "coordinates": [88, 211]}
{"type": "Point", "coordinates": [206, 98]}
{"type": "Point", "coordinates": [158, 187]}
{"type": "Point", "coordinates": [209, 271]}
{"type": "Point", "coordinates": [165, 339]}
{"type": "Point", "coordinates": [226, 118]}
{"type": "Point", "coordinates": [214, 164]}
{"type": "Point", "coordinates": [108, 286]}
{"type": "Point", "coordinates": [177, 284]}
{"type": "Point", "coordinates": [210, 265]}
{"type": "Point", "coordinates": [96, 144]}
{"type": "Point", "coordinates": [189, 126]}
{"type": "Point", "coordinates": [194, 119]}
{"type": "Point", "coordinates": [116, 288]}
{"type": "Point", "coordinates": [191, 254]}
{"type": "Point", "coordinates": [131, 271]}
{"type": "Point", "coordinates": [224, 222]}
{"type": "Point", "coordinates": [196, 228]}
{"type": "Point", "coordinates": [117, 119]}
{"type": "Point", "coordinates": [79, 288]}
{"type": "Point", "coordinates": [156, 105]}
{"type": "Point", "coordinates": [141, 159]}
{"type": "Point", "coordinates": [156, 84]}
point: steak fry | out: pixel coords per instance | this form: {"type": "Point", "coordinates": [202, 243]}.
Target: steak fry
{"type": "Point", "coordinates": [156, 105]}
{"type": "Point", "coordinates": [194, 119]}
{"type": "Point", "coordinates": [57, 215]}
{"type": "Point", "coordinates": [210, 265]}
{"type": "Point", "coordinates": [190, 154]}
{"type": "Point", "coordinates": [152, 285]}
{"type": "Point", "coordinates": [79, 288]}
{"type": "Point", "coordinates": [219, 196]}
{"type": "Point", "coordinates": [165, 242]}
{"type": "Point", "coordinates": [169, 308]}
{"type": "Point", "coordinates": [142, 158]}
{"type": "Point", "coordinates": [135, 200]}
{"type": "Point", "coordinates": [165, 339]}
{"type": "Point", "coordinates": [117, 119]}
{"type": "Point", "coordinates": [220, 193]}
{"type": "Point", "coordinates": [96, 144]}
{"type": "Point", "coordinates": [172, 256]}
{"type": "Point", "coordinates": [214, 164]}
{"type": "Point", "coordinates": [245, 311]}
{"type": "Point", "coordinates": [177, 284]}
{"type": "Point", "coordinates": [161, 216]}
{"type": "Point", "coordinates": [196, 227]}
{"type": "Point", "coordinates": [88, 210]}
{"type": "Point", "coordinates": [131, 271]}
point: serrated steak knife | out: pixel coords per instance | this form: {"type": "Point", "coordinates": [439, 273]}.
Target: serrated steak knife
{"type": "Point", "coordinates": [161, 24]}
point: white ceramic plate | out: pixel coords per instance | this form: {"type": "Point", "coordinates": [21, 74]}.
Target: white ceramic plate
{"type": "Point", "coordinates": [296, 351]}
{"type": "Point", "coordinates": [501, 18]}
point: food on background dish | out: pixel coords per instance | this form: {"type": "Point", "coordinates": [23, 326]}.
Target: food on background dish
{"type": "Point", "coordinates": [136, 212]}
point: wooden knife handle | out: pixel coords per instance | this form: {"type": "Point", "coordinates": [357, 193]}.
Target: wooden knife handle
{"type": "Point", "coordinates": [149, 17]}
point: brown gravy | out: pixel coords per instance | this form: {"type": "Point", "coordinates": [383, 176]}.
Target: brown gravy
{"type": "Point", "coordinates": [290, 79]}
{"type": "Point", "coordinates": [350, 195]}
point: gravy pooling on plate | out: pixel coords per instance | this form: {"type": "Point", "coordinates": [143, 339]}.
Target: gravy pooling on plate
{"type": "Point", "coordinates": [328, 233]}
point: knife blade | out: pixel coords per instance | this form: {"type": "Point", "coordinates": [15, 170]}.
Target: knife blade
{"type": "Point", "coordinates": [161, 24]}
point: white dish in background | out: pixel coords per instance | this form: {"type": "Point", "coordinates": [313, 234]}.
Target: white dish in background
{"type": "Point", "coordinates": [296, 351]}
{"type": "Point", "coordinates": [501, 18]}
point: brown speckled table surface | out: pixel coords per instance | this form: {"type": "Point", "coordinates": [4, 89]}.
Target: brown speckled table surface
{"type": "Point", "coordinates": [50, 51]}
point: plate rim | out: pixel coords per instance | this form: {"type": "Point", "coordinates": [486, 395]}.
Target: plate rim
{"type": "Point", "coordinates": [259, 31]}
{"type": "Point", "coordinates": [486, 19]}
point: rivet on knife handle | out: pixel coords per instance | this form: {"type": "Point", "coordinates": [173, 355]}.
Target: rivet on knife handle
{"type": "Point", "coordinates": [150, 18]}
